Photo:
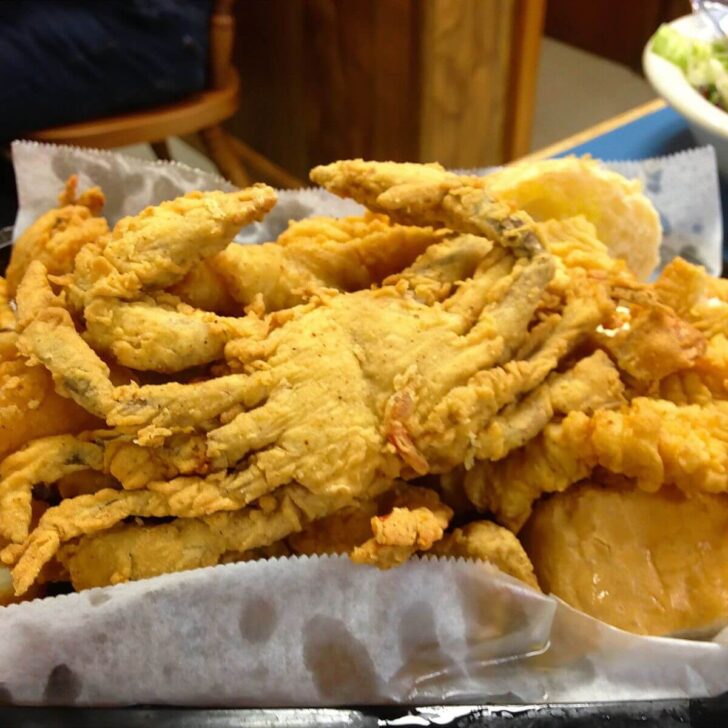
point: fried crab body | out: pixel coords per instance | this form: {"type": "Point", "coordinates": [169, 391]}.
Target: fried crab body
{"type": "Point", "coordinates": [330, 417]}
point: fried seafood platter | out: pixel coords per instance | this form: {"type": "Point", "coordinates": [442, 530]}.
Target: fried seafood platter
{"type": "Point", "coordinates": [475, 367]}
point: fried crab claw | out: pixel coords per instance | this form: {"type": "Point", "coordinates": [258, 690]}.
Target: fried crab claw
{"type": "Point", "coordinates": [426, 194]}
{"type": "Point", "coordinates": [118, 284]}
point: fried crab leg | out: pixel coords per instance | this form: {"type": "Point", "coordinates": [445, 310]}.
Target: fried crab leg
{"type": "Point", "coordinates": [160, 245]}
{"type": "Point", "coordinates": [42, 461]}
{"type": "Point", "coordinates": [117, 282]}
{"type": "Point", "coordinates": [51, 459]}
{"type": "Point", "coordinates": [130, 552]}
{"type": "Point", "coordinates": [48, 336]}
{"type": "Point", "coordinates": [426, 194]}
{"type": "Point", "coordinates": [160, 333]}
{"type": "Point", "coordinates": [274, 517]}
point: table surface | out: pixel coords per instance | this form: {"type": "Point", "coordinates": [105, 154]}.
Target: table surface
{"type": "Point", "coordinates": [650, 130]}
{"type": "Point", "coordinates": [647, 131]}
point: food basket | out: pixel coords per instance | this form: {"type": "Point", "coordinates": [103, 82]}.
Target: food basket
{"type": "Point", "coordinates": [697, 712]}
{"type": "Point", "coordinates": [620, 689]}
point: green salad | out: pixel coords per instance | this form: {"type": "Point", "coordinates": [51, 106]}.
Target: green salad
{"type": "Point", "coordinates": [704, 63]}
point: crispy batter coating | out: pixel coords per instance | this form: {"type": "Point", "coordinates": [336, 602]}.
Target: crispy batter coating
{"type": "Point", "coordinates": [426, 194]}
{"type": "Point", "coordinates": [29, 405]}
{"type": "Point", "coordinates": [130, 552]}
{"type": "Point", "coordinates": [695, 296]}
{"type": "Point", "coordinates": [575, 244]}
{"type": "Point", "coordinates": [114, 279]}
{"type": "Point", "coordinates": [651, 563]}
{"type": "Point", "coordinates": [487, 541]}
{"type": "Point", "coordinates": [41, 461]}
{"type": "Point", "coordinates": [553, 189]}
{"type": "Point", "coordinates": [7, 315]}
{"type": "Point", "coordinates": [653, 441]}
{"type": "Point", "coordinates": [649, 341]}
{"type": "Point", "coordinates": [204, 289]}
{"type": "Point", "coordinates": [49, 337]}
{"type": "Point", "coordinates": [349, 254]}
{"type": "Point", "coordinates": [416, 521]}
{"type": "Point", "coordinates": [160, 245]}
{"type": "Point", "coordinates": [339, 533]}
{"type": "Point", "coordinates": [56, 237]}
{"type": "Point", "coordinates": [163, 334]}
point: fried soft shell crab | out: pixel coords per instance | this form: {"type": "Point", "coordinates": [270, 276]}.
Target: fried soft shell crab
{"type": "Point", "coordinates": [437, 376]}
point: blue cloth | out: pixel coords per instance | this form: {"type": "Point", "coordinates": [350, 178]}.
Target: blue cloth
{"type": "Point", "coordinates": [76, 60]}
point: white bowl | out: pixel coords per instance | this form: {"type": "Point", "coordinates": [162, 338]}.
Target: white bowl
{"type": "Point", "coordinates": [708, 123]}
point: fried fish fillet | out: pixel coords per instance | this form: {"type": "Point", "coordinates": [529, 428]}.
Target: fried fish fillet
{"type": "Point", "coordinates": [695, 296]}
{"type": "Point", "coordinates": [650, 563]}
{"type": "Point", "coordinates": [649, 341]}
{"type": "Point", "coordinates": [554, 189]}
{"type": "Point", "coordinates": [655, 442]}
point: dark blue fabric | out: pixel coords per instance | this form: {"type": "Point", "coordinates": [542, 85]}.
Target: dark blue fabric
{"type": "Point", "coordinates": [63, 61]}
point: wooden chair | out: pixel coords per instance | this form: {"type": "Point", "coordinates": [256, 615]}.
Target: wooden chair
{"type": "Point", "coordinates": [200, 114]}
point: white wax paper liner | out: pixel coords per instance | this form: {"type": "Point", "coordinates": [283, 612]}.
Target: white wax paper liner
{"type": "Point", "coordinates": [324, 631]}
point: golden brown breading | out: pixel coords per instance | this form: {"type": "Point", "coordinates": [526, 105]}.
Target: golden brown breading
{"type": "Point", "coordinates": [649, 341]}
{"type": "Point", "coordinates": [651, 563]}
{"type": "Point", "coordinates": [203, 288]}
{"type": "Point", "coordinates": [162, 334]}
{"type": "Point", "coordinates": [7, 315]}
{"type": "Point", "coordinates": [426, 194]}
{"type": "Point", "coordinates": [416, 521]}
{"type": "Point", "coordinates": [56, 237]}
{"type": "Point", "coordinates": [49, 337]}
{"type": "Point", "coordinates": [653, 441]}
{"type": "Point", "coordinates": [339, 533]}
{"type": "Point", "coordinates": [487, 541]}
{"type": "Point", "coordinates": [130, 552]}
{"type": "Point", "coordinates": [29, 405]}
{"type": "Point", "coordinates": [160, 245]}
{"type": "Point", "coordinates": [41, 461]}
{"type": "Point", "coordinates": [695, 296]}
{"type": "Point", "coordinates": [349, 254]}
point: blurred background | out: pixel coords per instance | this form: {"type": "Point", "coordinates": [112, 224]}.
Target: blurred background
{"type": "Point", "coordinates": [265, 89]}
